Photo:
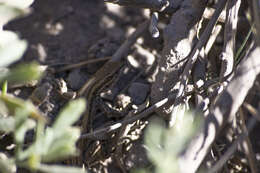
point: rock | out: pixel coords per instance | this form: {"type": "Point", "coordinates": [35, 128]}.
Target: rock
{"type": "Point", "coordinates": [123, 100]}
{"type": "Point", "coordinates": [76, 79]}
{"type": "Point", "coordinates": [61, 85]}
{"type": "Point", "coordinates": [138, 92]}
{"type": "Point", "coordinates": [41, 93]}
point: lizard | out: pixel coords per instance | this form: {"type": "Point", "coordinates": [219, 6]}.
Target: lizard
{"type": "Point", "coordinates": [101, 78]}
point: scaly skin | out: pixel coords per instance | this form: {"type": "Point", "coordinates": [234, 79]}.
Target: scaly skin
{"type": "Point", "coordinates": [89, 90]}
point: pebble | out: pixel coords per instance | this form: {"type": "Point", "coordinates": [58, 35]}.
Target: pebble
{"type": "Point", "coordinates": [138, 92]}
{"type": "Point", "coordinates": [76, 79]}
{"type": "Point", "coordinates": [41, 93]}
{"type": "Point", "coordinates": [123, 100]}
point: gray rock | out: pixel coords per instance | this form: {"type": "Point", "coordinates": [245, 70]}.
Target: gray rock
{"type": "Point", "coordinates": [138, 92]}
{"type": "Point", "coordinates": [76, 79]}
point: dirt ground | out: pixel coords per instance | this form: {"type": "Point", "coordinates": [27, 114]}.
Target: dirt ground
{"type": "Point", "coordinates": [62, 32]}
{"type": "Point", "coordinates": [70, 31]}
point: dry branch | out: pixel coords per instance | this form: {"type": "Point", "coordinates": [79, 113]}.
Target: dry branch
{"type": "Point", "coordinates": [227, 55]}
{"type": "Point", "coordinates": [246, 144]}
{"type": "Point", "coordinates": [195, 53]}
{"type": "Point", "coordinates": [254, 5]}
{"type": "Point", "coordinates": [222, 111]}
{"type": "Point", "coordinates": [232, 148]}
{"type": "Point", "coordinates": [168, 6]}
{"type": "Point", "coordinates": [179, 37]}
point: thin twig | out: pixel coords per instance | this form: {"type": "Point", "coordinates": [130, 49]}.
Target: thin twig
{"type": "Point", "coordinates": [183, 25]}
{"type": "Point", "coordinates": [241, 48]}
{"type": "Point", "coordinates": [119, 144]}
{"type": "Point", "coordinates": [212, 38]}
{"type": "Point", "coordinates": [167, 6]}
{"type": "Point", "coordinates": [227, 55]}
{"type": "Point", "coordinates": [194, 55]}
{"type": "Point", "coordinates": [223, 111]}
{"type": "Point", "coordinates": [145, 113]}
{"type": "Point", "coordinates": [246, 145]}
{"type": "Point", "coordinates": [126, 46]}
{"type": "Point", "coordinates": [232, 148]}
{"type": "Point", "coordinates": [208, 13]}
{"type": "Point", "coordinates": [153, 25]}
{"type": "Point", "coordinates": [115, 62]}
{"type": "Point", "coordinates": [252, 110]}
{"type": "Point", "coordinates": [80, 64]}
{"type": "Point", "coordinates": [255, 7]}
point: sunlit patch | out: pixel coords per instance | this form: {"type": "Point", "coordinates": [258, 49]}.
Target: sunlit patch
{"type": "Point", "coordinates": [41, 52]}
{"type": "Point", "coordinates": [140, 40]}
{"type": "Point", "coordinates": [115, 9]}
{"type": "Point", "coordinates": [133, 61]}
{"type": "Point", "coordinates": [199, 83]}
{"type": "Point", "coordinates": [163, 69]}
{"type": "Point", "coordinates": [183, 47]}
{"type": "Point", "coordinates": [130, 30]}
{"type": "Point", "coordinates": [148, 56]}
{"type": "Point", "coordinates": [107, 22]}
{"type": "Point", "coordinates": [54, 29]}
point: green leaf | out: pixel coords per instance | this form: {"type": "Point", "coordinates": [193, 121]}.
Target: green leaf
{"type": "Point", "coordinates": [164, 145]}
{"type": "Point", "coordinates": [59, 169]}
{"type": "Point", "coordinates": [7, 124]}
{"type": "Point", "coordinates": [13, 103]}
{"type": "Point", "coordinates": [34, 161]}
{"type": "Point", "coordinates": [11, 47]}
{"type": "Point", "coordinates": [34, 151]}
{"type": "Point", "coordinates": [3, 109]}
{"type": "Point", "coordinates": [22, 73]}
{"type": "Point", "coordinates": [4, 87]}
{"type": "Point", "coordinates": [69, 115]}
{"type": "Point", "coordinates": [8, 13]}
{"type": "Point", "coordinates": [141, 171]}
{"type": "Point", "coordinates": [17, 3]}
{"type": "Point", "coordinates": [153, 140]}
{"type": "Point", "coordinates": [22, 125]}
{"type": "Point", "coordinates": [57, 142]}
{"type": "Point", "coordinates": [62, 146]}
{"type": "Point", "coordinates": [7, 165]}
{"type": "Point", "coordinates": [20, 131]}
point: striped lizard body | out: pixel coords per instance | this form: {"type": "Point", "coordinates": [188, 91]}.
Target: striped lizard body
{"type": "Point", "coordinates": [90, 89]}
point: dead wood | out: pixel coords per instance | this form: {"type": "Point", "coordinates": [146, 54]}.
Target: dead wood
{"type": "Point", "coordinates": [179, 38]}
{"type": "Point", "coordinates": [246, 144]}
{"type": "Point", "coordinates": [233, 147]}
{"type": "Point", "coordinates": [228, 54]}
{"type": "Point", "coordinates": [168, 6]}
{"type": "Point", "coordinates": [254, 6]}
{"type": "Point", "coordinates": [184, 77]}
{"type": "Point", "coordinates": [222, 111]}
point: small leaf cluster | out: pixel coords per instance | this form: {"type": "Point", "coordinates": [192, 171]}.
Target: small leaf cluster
{"type": "Point", "coordinates": [51, 143]}
{"type": "Point", "coordinates": [164, 145]}
{"type": "Point", "coordinates": [18, 116]}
